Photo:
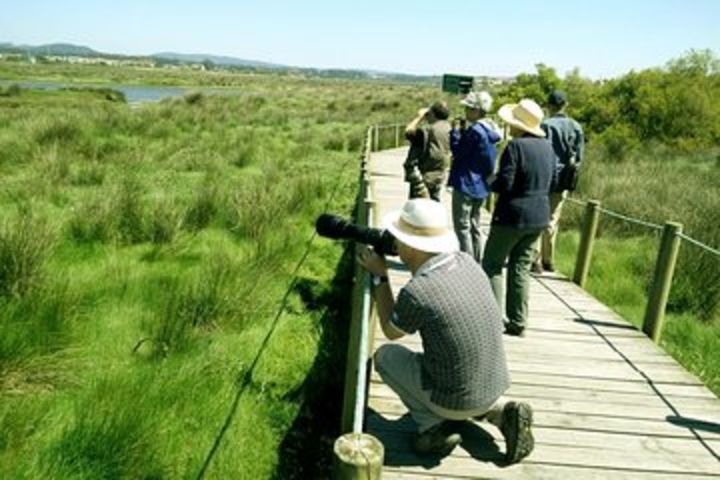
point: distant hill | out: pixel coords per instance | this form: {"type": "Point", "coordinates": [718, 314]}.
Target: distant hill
{"type": "Point", "coordinates": [51, 49]}
{"type": "Point", "coordinates": [68, 49]}
{"type": "Point", "coordinates": [216, 59]}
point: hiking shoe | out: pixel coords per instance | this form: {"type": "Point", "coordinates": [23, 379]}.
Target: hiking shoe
{"type": "Point", "coordinates": [514, 329]}
{"type": "Point", "coordinates": [437, 440]}
{"type": "Point", "coordinates": [516, 428]}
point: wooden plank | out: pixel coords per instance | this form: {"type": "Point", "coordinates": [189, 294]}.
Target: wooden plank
{"type": "Point", "coordinates": [541, 472]}
{"type": "Point", "coordinates": [545, 408]}
{"type": "Point", "coordinates": [709, 407]}
{"type": "Point", "coordinates": [480, 447]}
{"type": "Point", "coordinates": [608, 402]}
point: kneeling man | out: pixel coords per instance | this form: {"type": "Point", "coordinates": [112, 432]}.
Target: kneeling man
{"type": "Point", "coordinates": [462, 372]}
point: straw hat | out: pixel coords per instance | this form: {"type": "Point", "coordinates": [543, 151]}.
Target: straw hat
{"type": "Point", "coordinates": [423, 225]}
{"type": "Point", "coordinates": [525, 115]}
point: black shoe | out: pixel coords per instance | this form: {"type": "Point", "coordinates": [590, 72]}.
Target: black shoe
{"type": "Point", "coordinates": [514, 330]}
{"type": "Point", "coordinates": [516, 427]}
{"type": "Point", "coordinates": [437, 440]}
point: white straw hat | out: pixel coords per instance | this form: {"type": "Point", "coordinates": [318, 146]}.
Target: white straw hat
{"type": "Point", "coordinates": [423, 225]}
{"type": "Point", "coordinates": [525, 115]}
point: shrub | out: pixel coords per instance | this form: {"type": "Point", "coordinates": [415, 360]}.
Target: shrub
{"type": "Point", "coordinates": [25, 244]}
{"type": "Point", "coordinates": [165, 221]}
{"type": "Point", "coordinates": [204, 207]}
{"type": "Point", "coordinates": [94, 221]}
{"type": "Point", "coordinates": [129, 211]}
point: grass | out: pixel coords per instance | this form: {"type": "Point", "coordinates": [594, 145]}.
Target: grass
{"type": "Point", "coordinates": [145, 252]}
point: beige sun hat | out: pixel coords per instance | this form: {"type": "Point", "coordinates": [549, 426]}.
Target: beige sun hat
{"type": "Point", "coordinates": [525, 115]}
{"type": "Point", "coordinates": [423, 225]}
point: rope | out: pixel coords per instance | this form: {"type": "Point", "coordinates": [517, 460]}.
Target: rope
{"type": "Point", "coordinates": [247, 378]}
{"type": "Point", "coordinates": [707, 248]}
{"type": "Point", "coordinates": [610, 213]}
{"type": "Point", "coordinates": [636, 221]}
{"type": "Point", "coordinates": [619, 216]}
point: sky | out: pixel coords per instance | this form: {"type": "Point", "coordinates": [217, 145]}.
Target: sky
{"type": "Point", "coordinates": [603, 38]}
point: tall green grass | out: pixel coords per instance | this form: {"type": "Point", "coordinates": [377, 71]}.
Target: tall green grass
{"type": "Point", "coordinates": [145, 252]}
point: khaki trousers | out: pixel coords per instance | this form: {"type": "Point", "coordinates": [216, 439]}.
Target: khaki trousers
{"type": "Point", "coordinates": [549, 235]}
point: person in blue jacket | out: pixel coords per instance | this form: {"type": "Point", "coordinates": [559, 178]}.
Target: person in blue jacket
{"type": "Point", "coordinates": [472, 142]}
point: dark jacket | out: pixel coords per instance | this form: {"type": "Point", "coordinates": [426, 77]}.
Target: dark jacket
{"type": "Point", "coordinates": [432, 143]}
{"type": "Point", "coordinates": [527, 173]}
{"type": "Point", "coordinates": [473, 162]}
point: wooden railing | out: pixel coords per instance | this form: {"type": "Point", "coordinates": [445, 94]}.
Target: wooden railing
{"type": "Point", "coordinates": [664, 269]}
{"type": "Point", "coordinates": [359, 455]}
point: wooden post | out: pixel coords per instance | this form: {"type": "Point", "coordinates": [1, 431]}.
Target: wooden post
{"type": "Point", "coordinates": [587, 238]}
{"type": "Point", "coordinates": [662, 281]}
{"type": "Point", "coordinates": [358, 456]}
{"type": "Point", "coordinates": [376, 138]}
{"type": "Point", "coordinates": [397, 135]}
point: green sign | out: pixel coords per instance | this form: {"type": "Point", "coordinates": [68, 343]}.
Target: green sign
{"type": "Point", "coordinates": [457, 83]}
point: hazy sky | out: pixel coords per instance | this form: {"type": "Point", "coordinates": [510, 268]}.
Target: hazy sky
{"type": "Point", "coordinates": [603, 38]}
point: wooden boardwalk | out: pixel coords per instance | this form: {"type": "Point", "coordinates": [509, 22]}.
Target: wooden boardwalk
{"type": "Point", "coordinates": [608, 403]}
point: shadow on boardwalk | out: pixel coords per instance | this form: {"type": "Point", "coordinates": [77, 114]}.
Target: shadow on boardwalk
{"type": "Point", "coordinates": [397, 436]}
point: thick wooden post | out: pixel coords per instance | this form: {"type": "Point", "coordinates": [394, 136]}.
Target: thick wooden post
{"type": "Point", "coordinates": [376, 139]}
{"type": "Point", "coordinates": [587, 239]}
{"type": "Point", "coordinates": [397, 135]}
{"type": "Point", "coordinates": [358, 456]}
{"type": "Point", "coordinates": [660, 288]}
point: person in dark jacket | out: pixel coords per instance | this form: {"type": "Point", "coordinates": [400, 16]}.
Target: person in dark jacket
{"type": "Point", "coordinates": [526, 176]}
{"type": "Point", "coordinates": [472, 142]}
{"type": "Point", "coordinates": [567, 139]}
{"type": "Point", "coordinates": [429, 136]}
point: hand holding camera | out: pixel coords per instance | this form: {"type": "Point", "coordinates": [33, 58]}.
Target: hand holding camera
{"type": "Point", "coordinates": [459, 123]}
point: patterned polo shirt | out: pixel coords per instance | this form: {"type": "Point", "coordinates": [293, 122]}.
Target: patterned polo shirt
{"type": "Point", "coordinates": [450, 302]}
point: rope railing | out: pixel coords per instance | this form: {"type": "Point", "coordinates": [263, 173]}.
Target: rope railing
{"type": "Point", "coordinates": [707, 248]}
{"type": "Point", "coordinates": [643, 223]}
{"type": "Point", "coordinates": [670, 240]}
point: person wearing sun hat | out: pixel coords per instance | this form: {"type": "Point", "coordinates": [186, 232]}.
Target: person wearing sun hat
{"type": "Point", "coordinates": [462, 371]}
{"type": "Point", "coordinates": [523, 183]}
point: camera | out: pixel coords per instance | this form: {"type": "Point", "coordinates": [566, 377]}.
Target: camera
{"type": "Point", "coordinates": [418, 189]}
{"type": "Point", "coordinates": [337, 228]}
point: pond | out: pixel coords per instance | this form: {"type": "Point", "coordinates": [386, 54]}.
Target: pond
{"type": "Point", "coordinates": [134, 94]}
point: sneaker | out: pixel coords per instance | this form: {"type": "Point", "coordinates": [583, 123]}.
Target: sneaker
{"type": "Point", "coordinates": [516, 428]}
{"type": "Point", "coordinates": [437, 440]}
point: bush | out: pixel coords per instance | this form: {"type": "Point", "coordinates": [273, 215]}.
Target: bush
{"type": "Point", "coordinates": [25, 244]}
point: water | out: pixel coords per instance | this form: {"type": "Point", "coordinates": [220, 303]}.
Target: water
{"type": "Point", "coordinates": [135, 94]}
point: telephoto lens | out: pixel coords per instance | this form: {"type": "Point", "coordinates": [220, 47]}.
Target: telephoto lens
{"type": "Point", "coordinates": [337, 228]}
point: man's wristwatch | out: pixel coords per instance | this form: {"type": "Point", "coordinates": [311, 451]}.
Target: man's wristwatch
{"type": "Point", "coordinates": [378, 279]}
